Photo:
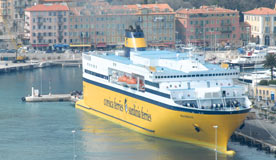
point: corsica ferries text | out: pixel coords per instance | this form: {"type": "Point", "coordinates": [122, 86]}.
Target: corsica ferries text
{"type": "Point", "coordinates": [128, 109]}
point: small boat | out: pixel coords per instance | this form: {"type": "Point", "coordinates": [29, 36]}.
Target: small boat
{"type": "Point", "coordinates": [122, 80]}
{"type": "Point", "coordinates": [132, 82]}
{"type": "Point", "coordinates": [255, 77]}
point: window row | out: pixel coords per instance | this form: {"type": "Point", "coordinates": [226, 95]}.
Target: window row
{"type": "Point", "coordinates": [222, 21]}
{"type": "Point", "coordinates": [45, 41]}
{"type": "Point", "coordinates": [197, 75]}
{"type": "Point", "coordinates": [49, 34]}
{"type": "Point", "coordinates": [40, 19]}
{"type": "Point", "coordinates": [44, 27]}
{"type": "Point", "coordinates": [211, 15]}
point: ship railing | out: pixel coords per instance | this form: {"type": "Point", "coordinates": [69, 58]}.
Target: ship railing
{"type": "Point", "coordinates": [223, 104]}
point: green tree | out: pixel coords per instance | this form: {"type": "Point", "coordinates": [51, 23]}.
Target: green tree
{"type": "Point", "coordinates": [272, 82]}
{"type": "Point", "coordinates": [263, 82]}
{"type": "Point", "coordinates": [270, 62]}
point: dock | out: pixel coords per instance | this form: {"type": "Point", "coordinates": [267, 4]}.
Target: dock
{"type": "Point", "coordinates": [253, 142]}
{"type": "Point", "coordinates": [257, 132]}
{"type": "Point", "coordinates": [48, 98]}
{"type": "Point", "coordinates": [36, 97]}
{"type": "Point", "coordinates": [8, 66]}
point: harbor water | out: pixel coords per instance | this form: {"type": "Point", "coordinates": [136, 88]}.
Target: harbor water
{"type": "Point", "coordinates": [58, 131]}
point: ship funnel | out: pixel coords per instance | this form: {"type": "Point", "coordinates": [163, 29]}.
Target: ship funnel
{"type": "Point", "coordinates": [134, 40]}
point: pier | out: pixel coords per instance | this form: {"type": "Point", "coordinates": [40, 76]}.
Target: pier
{"type": "Point", "coordinates": [257, 132]}
{"type": "Point", "coordinates": [48, 98]}
{"type": "Point", "coordinates": [38, 60]}
{"type": "Point", "coordinates": [36, 97]}
{"type": "Point", "coordinates": [6, 66]}
{"type": "Point", "coordinates": [253, 142]}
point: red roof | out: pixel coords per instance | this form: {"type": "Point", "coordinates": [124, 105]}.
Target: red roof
{"type": "Point", "coordinates": [153, 7]}
{"type": "Point", "coordinates": [53, 7]}
{"type": "Point", "coordinates": [206, 9]}
{"type": "Point", "coordinates": [261, 11]}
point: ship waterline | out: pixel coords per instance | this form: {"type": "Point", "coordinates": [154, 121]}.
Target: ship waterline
{"type": "Point", "coordinates": [157, 119]}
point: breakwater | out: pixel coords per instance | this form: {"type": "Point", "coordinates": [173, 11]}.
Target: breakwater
{"type": "Point", "coordinates": [8, 66]}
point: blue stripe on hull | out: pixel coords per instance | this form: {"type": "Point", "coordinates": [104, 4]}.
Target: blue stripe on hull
{"type": "Point", "coordinates": [157, 93]}
{"type": "Point", "coordinates": [191, 110]}
{"type": "Point", "coordinates": [116, 118]}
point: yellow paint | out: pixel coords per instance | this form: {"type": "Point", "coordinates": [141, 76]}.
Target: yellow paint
{"type": "Point", "coordinates": [265, 92]}
{"type": "Point", "coordinates": [166, 123]}
{"type": "Point", "coordinates": [138, 42]}
{"type": "Point", "coordinates": [152, 69]}
{"type": "Point", "coordinates": [224, 65]}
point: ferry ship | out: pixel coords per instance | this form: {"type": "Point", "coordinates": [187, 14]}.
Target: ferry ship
{"type": "Point", "coordinates": [166, 94]}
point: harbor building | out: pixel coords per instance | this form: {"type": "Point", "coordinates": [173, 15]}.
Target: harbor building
{"type": "Point", "coordinates": [264, 92]}
{"type": "Point", "coordinates": [102, 25]}
{"type": "Point", "coordinates": [98, 24]}
{"type": "Point", "coordinates": [263, 26]}
{"type": "Point", "coordinates": [209, 26]}
{"type": "Point", "coordinates": [88, 26]}
{"type": "Point", "coordinates": [47, 25]}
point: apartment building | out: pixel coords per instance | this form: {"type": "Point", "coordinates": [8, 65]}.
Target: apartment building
{"type": "Point", "coordinates": [12, 21]}
{"type": "Point", "coordinates": [47, 25]}
{"type": "Point", "coordinates": [98, 24]}
{"type": "Point", "coordinates": [263, 25]}
{"type": "Point", "coordinates": [209, 26]}
{"type": "Point", "coordinates": [103, 25]}
{"type": "Point", "coordinates": [13, 10]}
{"type": "Point", "coordinates": [157, 21]}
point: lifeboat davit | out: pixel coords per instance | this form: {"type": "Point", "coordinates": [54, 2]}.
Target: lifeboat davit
{"type": "Point", "coordinates": [141, 85]}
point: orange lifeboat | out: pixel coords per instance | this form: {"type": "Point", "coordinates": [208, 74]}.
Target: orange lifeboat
{"type": "Point", "coordinates": [132, 82]}
{"type": "Point", "coordinates": [123, 79]}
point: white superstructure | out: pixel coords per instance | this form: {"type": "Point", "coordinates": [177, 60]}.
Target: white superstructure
{"type": "Point", "coordinates": [178, 79]}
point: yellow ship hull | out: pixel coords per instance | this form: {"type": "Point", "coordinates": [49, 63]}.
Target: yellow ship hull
{"type": "Point", "coordinates": [156, 119]}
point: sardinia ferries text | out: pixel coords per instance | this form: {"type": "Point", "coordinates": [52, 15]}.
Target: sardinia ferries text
{"type": "Point", "coordinates": [131, 110]}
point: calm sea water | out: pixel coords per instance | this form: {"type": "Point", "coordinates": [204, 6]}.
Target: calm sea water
{"type": "Point", "coordinates": [43, 131]}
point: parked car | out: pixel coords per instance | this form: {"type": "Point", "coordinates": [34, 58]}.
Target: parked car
{"type": "Point", "coordinates": [49, 51]}
{"type": "Point", "coordinates": [11, 51]}
{"type": "Point", "coordinates": [60, 51]}
{"type": "Point", "coordinates": [3, 51]}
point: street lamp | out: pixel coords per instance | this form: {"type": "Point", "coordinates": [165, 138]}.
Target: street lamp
{"type": "Point", "coordinates": [73, 131]}
{"type": "Point", "coordinates": [216, 153]}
